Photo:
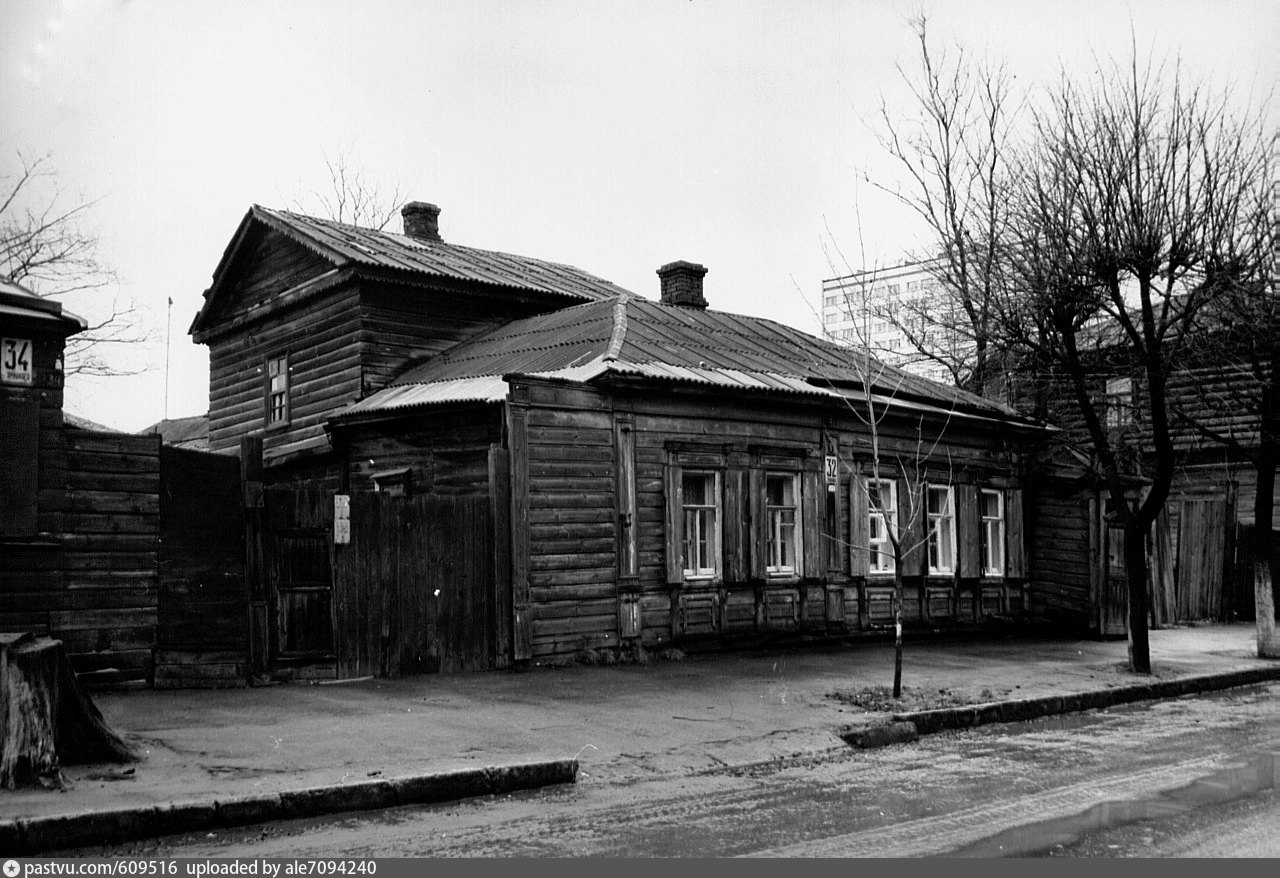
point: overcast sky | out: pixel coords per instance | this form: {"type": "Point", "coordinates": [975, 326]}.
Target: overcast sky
{"type": "Point", "coordinates": [615, 136]}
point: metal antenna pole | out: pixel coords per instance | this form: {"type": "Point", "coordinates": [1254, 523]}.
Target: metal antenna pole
{"type": "Point", "coordinates": [168, 333]}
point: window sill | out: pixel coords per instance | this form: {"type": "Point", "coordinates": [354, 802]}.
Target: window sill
{"type": "Point", "coordinates": [701, 579]}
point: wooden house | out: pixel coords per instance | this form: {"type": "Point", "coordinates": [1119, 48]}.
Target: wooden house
{"type": "Point", "coordinates": [1200, 549]}
{"type": "Point", "coordinates": [473, 458]}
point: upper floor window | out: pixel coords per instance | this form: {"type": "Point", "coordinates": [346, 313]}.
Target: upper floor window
{"type": "Point", "coordinates": [940, 506]}
{"type": "Point", "coordinates": [991, 535]}
{"type": "Point", "coordinates": [700, 509]}
{"type": "Point", "coordinates": [882, 513]}
{"type": "Point", "coordinates": [1118, 403]}
{"type": "Point", "coordinates": [278, 390]}
{"type": "Point", "coordinates": [782, 519]}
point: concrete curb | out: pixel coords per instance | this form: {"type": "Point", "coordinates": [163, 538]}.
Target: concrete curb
{"type": "Point", "coordinates": [898, 732]}
{"type": "Point", "coordinates": [927, 722]}
{"type": "Point", "coordinates": [31, 835]}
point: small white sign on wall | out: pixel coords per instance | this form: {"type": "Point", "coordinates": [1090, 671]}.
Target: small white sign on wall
{"type": "Point", "coordinates": [15, 361]}
{"type": "Point", "coordinates": [341, 519]}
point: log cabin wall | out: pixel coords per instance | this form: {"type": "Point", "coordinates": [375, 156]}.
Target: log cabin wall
{"type": "Point", "coordinates": [1062, 553]}
{"type": "Point", "coordinates": [564, 543]}
{"type": "Point", "coordinates": [444, 451]}
{"type": "Point", "coordinates": [320, 341]}
{"type": "Point", "coordinates": [403, 324]}
{"type": "Point", "coordinates": [573, 525]}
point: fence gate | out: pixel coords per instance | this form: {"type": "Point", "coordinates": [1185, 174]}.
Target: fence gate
{"type": "Point", "coordinates": [303, 596]}
{"type": "Point", "coordinates": [297, 603]}
{"type": "Point", "coordinates": [1202, 559]}
{"type": "Point", "coordinates": [414, 590]}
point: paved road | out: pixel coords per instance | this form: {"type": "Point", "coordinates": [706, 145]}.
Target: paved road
{"type": "Point", "coordinates": [998, 790]}
{"type": "Point", "coordinates": [1241, 828]}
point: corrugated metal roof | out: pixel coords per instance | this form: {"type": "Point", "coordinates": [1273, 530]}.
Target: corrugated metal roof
{"type": "Point", "coordinates": [408, 396]}
{"type": "Point", "coordinates": [388, 250]}
{"type": "Point", "coordinates": [630, 336]}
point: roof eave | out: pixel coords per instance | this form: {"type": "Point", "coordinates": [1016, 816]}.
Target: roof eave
{"type": "Point", "coordinates": [258, 214]}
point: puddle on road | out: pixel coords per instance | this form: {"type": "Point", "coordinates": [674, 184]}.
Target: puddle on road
{"type": "Point", "coordinates": [1256, 775]}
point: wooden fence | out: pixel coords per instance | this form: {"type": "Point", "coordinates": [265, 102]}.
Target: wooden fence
{"type": "Point", "coordinates": [91, 579]}
{"type": "Point", "coordinates": [202, 632]}
{"type": "Point", "coordinates": [414, 589]}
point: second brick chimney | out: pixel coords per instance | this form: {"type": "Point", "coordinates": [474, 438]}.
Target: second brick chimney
{"type": "Point", "coordinates": [421, 220]}
{"type": "Point", "coordinates": [682, 284]}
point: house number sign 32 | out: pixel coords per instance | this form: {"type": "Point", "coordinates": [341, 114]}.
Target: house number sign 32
{"type": "Point", "coordinates": [15, 361]}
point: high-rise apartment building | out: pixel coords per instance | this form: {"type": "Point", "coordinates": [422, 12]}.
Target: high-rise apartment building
{"type": "Point", "coordinates": [871, 307]}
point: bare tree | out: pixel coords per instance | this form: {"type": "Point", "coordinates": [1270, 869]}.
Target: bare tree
{"type": "Point", "coordinates": [1131, 196]}
{"type": "Point", "coordinates": [351, 197]}
{"type": "Point", "coordinates": [47, 247]}
{"type": "Point", "coordinates": [952, 146]}
{"type": "Point", "coordinates": [895, 491]}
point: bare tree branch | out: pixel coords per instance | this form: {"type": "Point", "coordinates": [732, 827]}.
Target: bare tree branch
{"type": "Point", "coordinates": [46, 246]}
{"type": "Point", "coordinates": [351, 197]}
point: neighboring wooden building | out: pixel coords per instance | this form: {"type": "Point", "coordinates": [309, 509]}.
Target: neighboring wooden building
{"type": "Point", "coordinates": [632, 471]}
{"type": "Point", "coordinates": [1199, 551]}
{"type": "Point", "coordinates": [78, 508]}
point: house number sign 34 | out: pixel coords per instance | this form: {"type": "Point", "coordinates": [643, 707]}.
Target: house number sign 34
{"type": "Point", "coordinates": [15, 361]}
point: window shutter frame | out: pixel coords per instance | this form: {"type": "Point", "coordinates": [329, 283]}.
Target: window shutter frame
{"type": "Point", "coordinates": [811, 512]}
{"type": "Point", "coordinates": [859, 531]}
{"type": "Point", "coordinates": [1015, 554]}
{"type": "Point", "coordinates": [756, 524]}
{"type": "Point", "coordinates": [675, 564]}
{"type": "Point", "coordinates": [913, 530]}
{"type": "Point", "coordinates": [968, 532]}
{"type": "Point", "coordinates": [734, 527]}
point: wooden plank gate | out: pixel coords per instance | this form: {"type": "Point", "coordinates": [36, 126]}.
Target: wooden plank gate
{"type": "Point", "coordinates": [1202, 559]}
{"type": "Point", "coordinates": [414, 591]}
{"type": "Point", "coordinates": [202, 630]}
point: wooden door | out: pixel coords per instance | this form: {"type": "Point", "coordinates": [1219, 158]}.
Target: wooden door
{"type": "Point", "coordinates": [1115, 592]}
{"type": "Point", "coordinates": [1202, 539]}
{"type": "Point", "coordinates": [303, 596]}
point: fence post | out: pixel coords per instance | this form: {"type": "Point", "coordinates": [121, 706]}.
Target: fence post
{"type": "Point", "coordinates": [255, 555]}
{"type": "Point", "coordinates": [500, 526]}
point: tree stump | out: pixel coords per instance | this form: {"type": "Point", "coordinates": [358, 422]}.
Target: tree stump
{"type": "Point", "coordinates": [46, 719]}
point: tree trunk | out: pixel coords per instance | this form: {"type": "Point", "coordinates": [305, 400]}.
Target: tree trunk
{"type": "Point", "coordinates": [897, 634]}
{"type": "Point", "coordinates": [45, 718]}
{"type": "Point", "coordinates": [1135, 560]}
{"type": "Point", "coordinates": [1264, 597]}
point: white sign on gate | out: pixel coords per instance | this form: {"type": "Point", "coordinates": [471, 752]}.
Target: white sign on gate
{"type": "Point", "coordinates": [341, 519]}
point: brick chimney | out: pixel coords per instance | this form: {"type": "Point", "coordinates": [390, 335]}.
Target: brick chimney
{"type": "Point", "coordinates": [421, 220]}
{"type": "Point", "coordinates": [682, 284]}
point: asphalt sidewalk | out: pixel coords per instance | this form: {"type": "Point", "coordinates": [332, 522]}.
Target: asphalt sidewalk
{"type": "Point", "coordinates": [227, 757]}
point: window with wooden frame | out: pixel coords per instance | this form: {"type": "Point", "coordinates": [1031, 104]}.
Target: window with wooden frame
{"type": "Point", "coordinates": [782, 524]}
{"type": "Point", "coordinates": [1118, 403]}
{"type": "Point", "coordinates": [700, 518]}
{"type": "Point", "coordinates": [277, 390]}
{"type": "Point", "coordinates": [940, 507]}
{"type": "Point", "coordinates": [882, 514]}
{"type": "Point", "coordinates": [991, 531]}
